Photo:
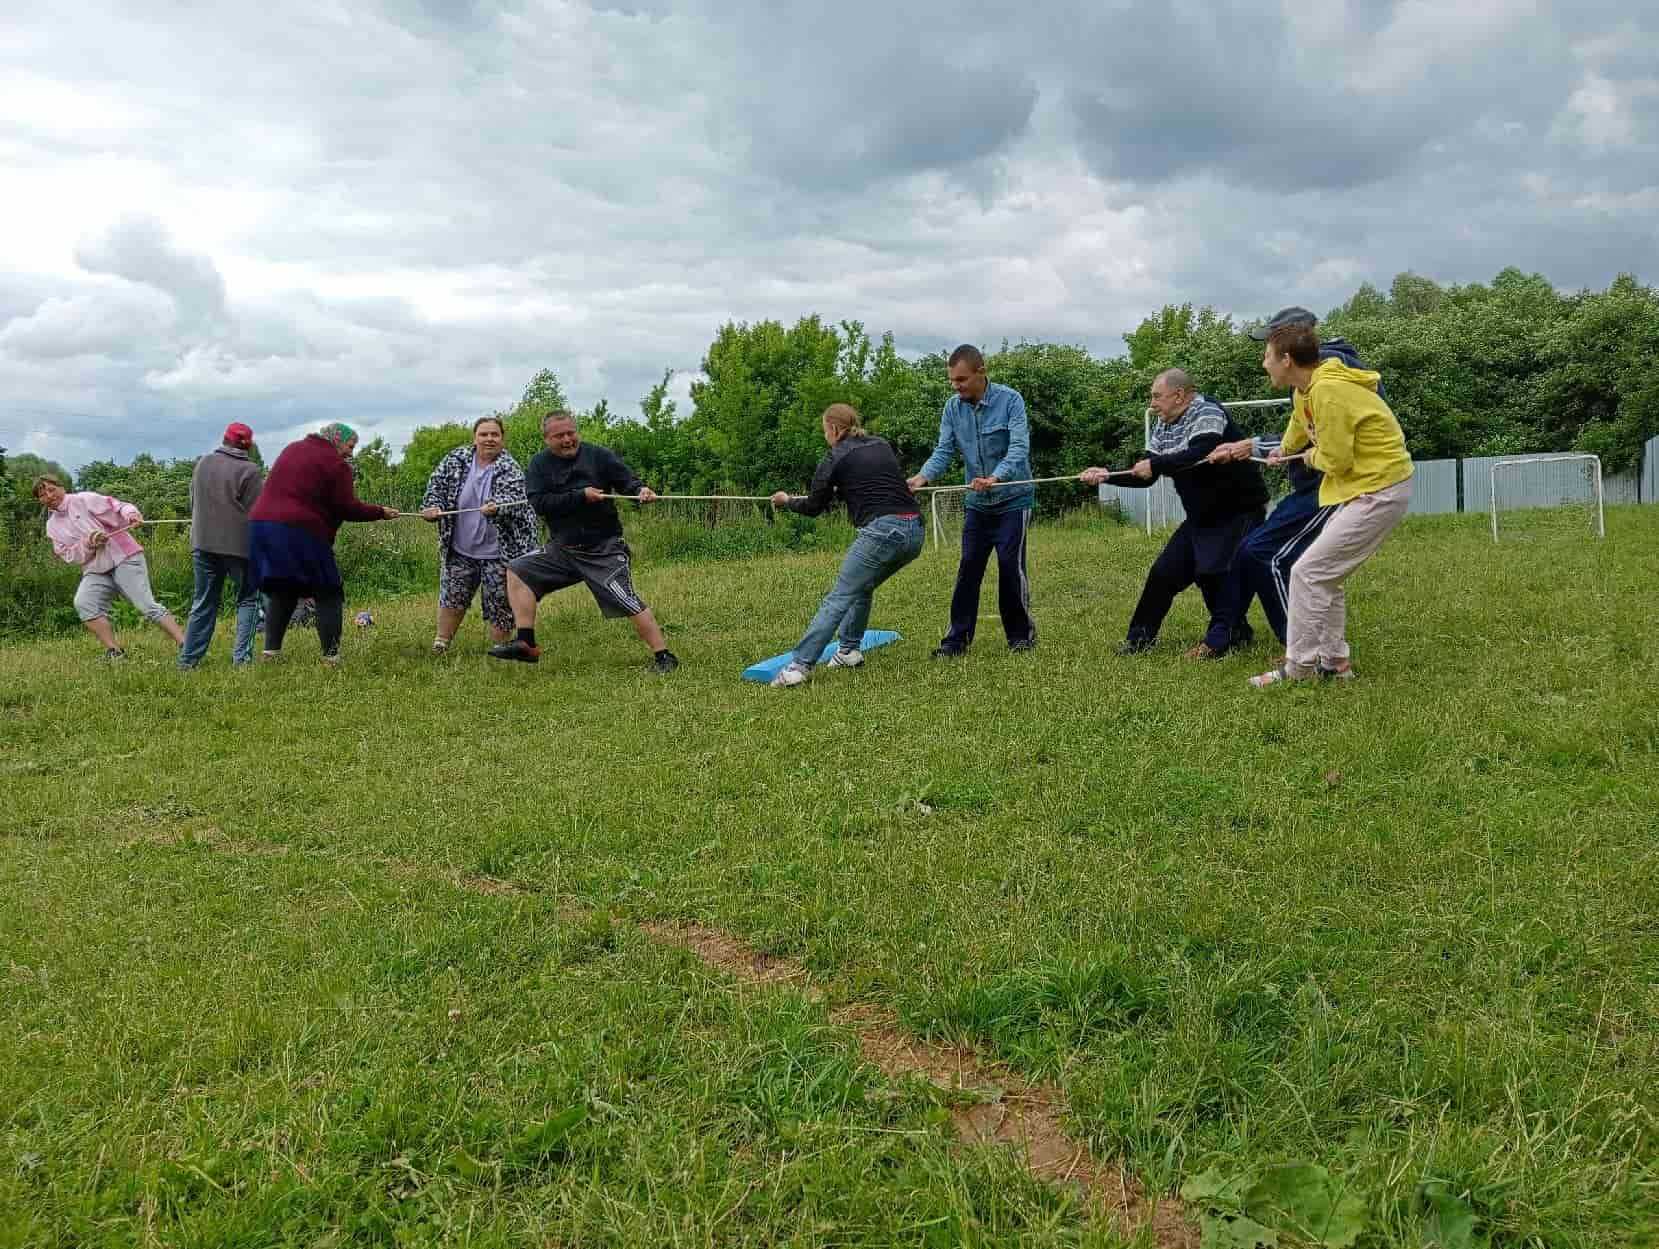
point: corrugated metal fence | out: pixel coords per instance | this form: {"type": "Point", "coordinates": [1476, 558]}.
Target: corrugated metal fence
{"type": "Point", "coordinates": [1434, 487]}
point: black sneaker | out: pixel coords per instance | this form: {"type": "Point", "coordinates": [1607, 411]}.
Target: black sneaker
{"type": "Point", "coordinates": [517, 649]}
{"type": "Point", "coordinates": [1024, 644]}
{"type": "Point", "coordinates": [1135, 646]}
{"type": "Point", "coordinates": [949, 652]}
{"type": "Point", "coordinates": [664, 663]}
{"type": "Point", "coordinates": [114, 654]}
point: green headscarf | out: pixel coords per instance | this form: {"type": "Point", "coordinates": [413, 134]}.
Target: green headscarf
{"type": "Point", "coordinates": [337, 435]}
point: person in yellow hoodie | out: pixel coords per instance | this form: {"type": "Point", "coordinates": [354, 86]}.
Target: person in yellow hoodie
{"type": "Point", "coordinates": [1345, 429]}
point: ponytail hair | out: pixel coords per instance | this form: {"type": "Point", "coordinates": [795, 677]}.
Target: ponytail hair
{"type": "Point", "coordinates": [844, 419]}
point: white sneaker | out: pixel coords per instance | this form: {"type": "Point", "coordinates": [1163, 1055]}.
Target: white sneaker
{"type": "Point", "coordinates": [440, 646]}
{"type": "Point", "coordinates": [792, 674]}
{"type": "Point", "coordinates": [847, 659]}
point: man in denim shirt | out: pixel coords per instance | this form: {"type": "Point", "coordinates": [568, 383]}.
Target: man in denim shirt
{"type": "Point", "coordinates": [985, 424]}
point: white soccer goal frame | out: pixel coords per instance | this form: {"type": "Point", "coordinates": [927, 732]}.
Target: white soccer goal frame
{"type": "Point", "coordinates": [1595, 461]}
{"type": "Point", "coordinates": [1162, 495]}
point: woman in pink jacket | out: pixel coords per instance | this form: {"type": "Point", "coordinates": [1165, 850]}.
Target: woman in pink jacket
{"type": "Point", "coordinates": [88, 529]}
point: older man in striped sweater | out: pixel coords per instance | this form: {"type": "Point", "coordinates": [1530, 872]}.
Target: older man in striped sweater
{"type": "Point", "coordinates": [1223, 503]}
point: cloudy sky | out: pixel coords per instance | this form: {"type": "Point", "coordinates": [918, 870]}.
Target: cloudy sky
{"type": "Point", "coordinates": [395, 211]}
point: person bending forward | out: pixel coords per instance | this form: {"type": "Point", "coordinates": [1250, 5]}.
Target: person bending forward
{"type": "Point", "coordinates": [291, 531]}
{"type": "Point", "coordinates": [88, 529]}
{"type": "Point", "coordinates": [1355, 440]}
{"type": "Point", "coordinates": [1223, 503]}
{"type": "Point", "coordinates": [863, 471]}
{"type": "Point", "coordinates": [567, 484]}
{"type": "Point", "coordinates": [1264, 560]}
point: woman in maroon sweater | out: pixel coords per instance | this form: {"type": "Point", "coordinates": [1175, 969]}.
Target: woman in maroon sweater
{"type": "Point", "coordinates": [291, 529]}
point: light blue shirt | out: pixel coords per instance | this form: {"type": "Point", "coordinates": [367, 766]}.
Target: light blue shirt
{"type": "Point", "coordinates": [475, 535]}
{"type": "Point", "coordinates": [993, 437]}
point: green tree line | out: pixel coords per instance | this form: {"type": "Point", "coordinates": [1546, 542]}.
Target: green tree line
{"type": "Point", "coordinates": [1483, 369]}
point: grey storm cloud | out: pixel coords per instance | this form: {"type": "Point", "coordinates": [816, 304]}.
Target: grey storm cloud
{"type": "Point", "coordinates": [138, 249]}
{"type": "Point", "coordinates": [396, 212]}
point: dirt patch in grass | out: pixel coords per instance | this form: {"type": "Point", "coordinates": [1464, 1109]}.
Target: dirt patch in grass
{"type": "Point", "coordinates": [492, 887]}
{"type": "Point", "coordinates": [1007, 1110]}
{"type": "Point", "coordinates": [727, 953]}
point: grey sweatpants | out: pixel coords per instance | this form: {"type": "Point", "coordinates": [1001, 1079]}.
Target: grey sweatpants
{"type": "Point", "coordinates": [1318, 603]}
{"type": "Point", "coordinates": [130, 579]}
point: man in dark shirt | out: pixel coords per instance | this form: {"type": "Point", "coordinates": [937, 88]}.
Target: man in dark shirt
{"type": "Point", "coordinates": [1223, 502]}
{"type": "Point", "coordinates": [567, 485]}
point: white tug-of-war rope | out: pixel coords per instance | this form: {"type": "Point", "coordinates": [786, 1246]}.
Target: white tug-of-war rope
{"type": "Point", "coordinates": [935, 491]}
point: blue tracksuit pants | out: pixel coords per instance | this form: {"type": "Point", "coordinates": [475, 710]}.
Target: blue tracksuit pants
{"type": "Point", "coordinates": [1262, 567]}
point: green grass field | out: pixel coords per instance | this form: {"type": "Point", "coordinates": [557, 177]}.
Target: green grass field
{"type": "Point", "coordinates": [307, 957]}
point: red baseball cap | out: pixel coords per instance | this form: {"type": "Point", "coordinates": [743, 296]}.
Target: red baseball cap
{"type": "Point", "coordinates": [238, 435]}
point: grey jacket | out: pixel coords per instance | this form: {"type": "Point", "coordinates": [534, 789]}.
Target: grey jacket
{"type": "Point", "coordinates": [222, 493]}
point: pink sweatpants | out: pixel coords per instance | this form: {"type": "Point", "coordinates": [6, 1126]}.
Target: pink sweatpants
{"type": "Point", "coordinates": [1318, 604]}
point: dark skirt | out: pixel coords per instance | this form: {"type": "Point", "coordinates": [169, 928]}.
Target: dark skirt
{"type": "Point", "coordinates": [284, 559]}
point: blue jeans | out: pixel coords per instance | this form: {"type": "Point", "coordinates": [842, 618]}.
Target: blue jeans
{"type": "Point", "coordinates": [882, 547]}
{"type": "Point", "coordinates": [982, 533]}
{"type": "Point", "coordinates": [211, 573]}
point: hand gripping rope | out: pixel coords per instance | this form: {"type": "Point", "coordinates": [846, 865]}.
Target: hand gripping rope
{"type": "Point", "coordinates": [631, 498]}
{"type": "Point", "coordinates": [935, 491]}
{"type": "Point", "coordinates": [139, 523]}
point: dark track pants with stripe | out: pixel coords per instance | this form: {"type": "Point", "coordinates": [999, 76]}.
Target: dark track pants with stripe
{"type": "Point", "coordinates": [1262, 568]}
{"type": "Point", "coordinates": [982, 533]}
{"type": "Point", "coordinates": [1203, 557]}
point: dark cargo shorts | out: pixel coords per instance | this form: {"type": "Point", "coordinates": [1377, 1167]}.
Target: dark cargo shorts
{"type": "Point", "coordinates": [604, 568]}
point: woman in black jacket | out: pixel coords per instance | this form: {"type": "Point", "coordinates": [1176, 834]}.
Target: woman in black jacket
{"type": "Point", "coordinates": [863, 471]}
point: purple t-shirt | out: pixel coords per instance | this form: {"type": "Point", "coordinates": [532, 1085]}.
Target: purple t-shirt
{"type": "Point", "coordinates": [475, 535]}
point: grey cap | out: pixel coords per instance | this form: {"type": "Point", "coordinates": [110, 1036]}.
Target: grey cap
{"type": "Point", "coordinates": [1285, 316]}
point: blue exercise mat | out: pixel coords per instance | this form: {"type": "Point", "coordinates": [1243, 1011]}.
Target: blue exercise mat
{"type": "Point", "coordinates": [766, 669]}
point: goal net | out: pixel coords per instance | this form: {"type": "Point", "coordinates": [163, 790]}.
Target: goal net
{"type": "Point", "coordinates": [945, 511]}
{"type": "Point", "coordinates": [1547, 494]}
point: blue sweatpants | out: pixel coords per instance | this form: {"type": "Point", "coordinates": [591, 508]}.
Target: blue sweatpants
{"type": "Point", "coordinates": [1262, 566]}
{"type": "Point", "coordinates": [983, 532]}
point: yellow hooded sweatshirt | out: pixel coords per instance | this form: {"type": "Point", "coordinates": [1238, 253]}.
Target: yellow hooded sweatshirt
{"type": "Point", "coordinates": [1356, 441]}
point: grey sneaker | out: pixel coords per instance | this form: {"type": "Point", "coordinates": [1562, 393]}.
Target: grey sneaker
{"type": "Point", "coordinates": [847, 659]}
{"type": "Point", "coordinates": [791, 675]}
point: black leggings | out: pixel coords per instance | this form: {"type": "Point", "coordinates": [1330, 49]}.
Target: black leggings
{"type": "Point", "coordinates": [331, 610]}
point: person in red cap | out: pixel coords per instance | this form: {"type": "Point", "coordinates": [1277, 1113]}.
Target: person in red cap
{"type": "Point", "coordinates": [222, 492]}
